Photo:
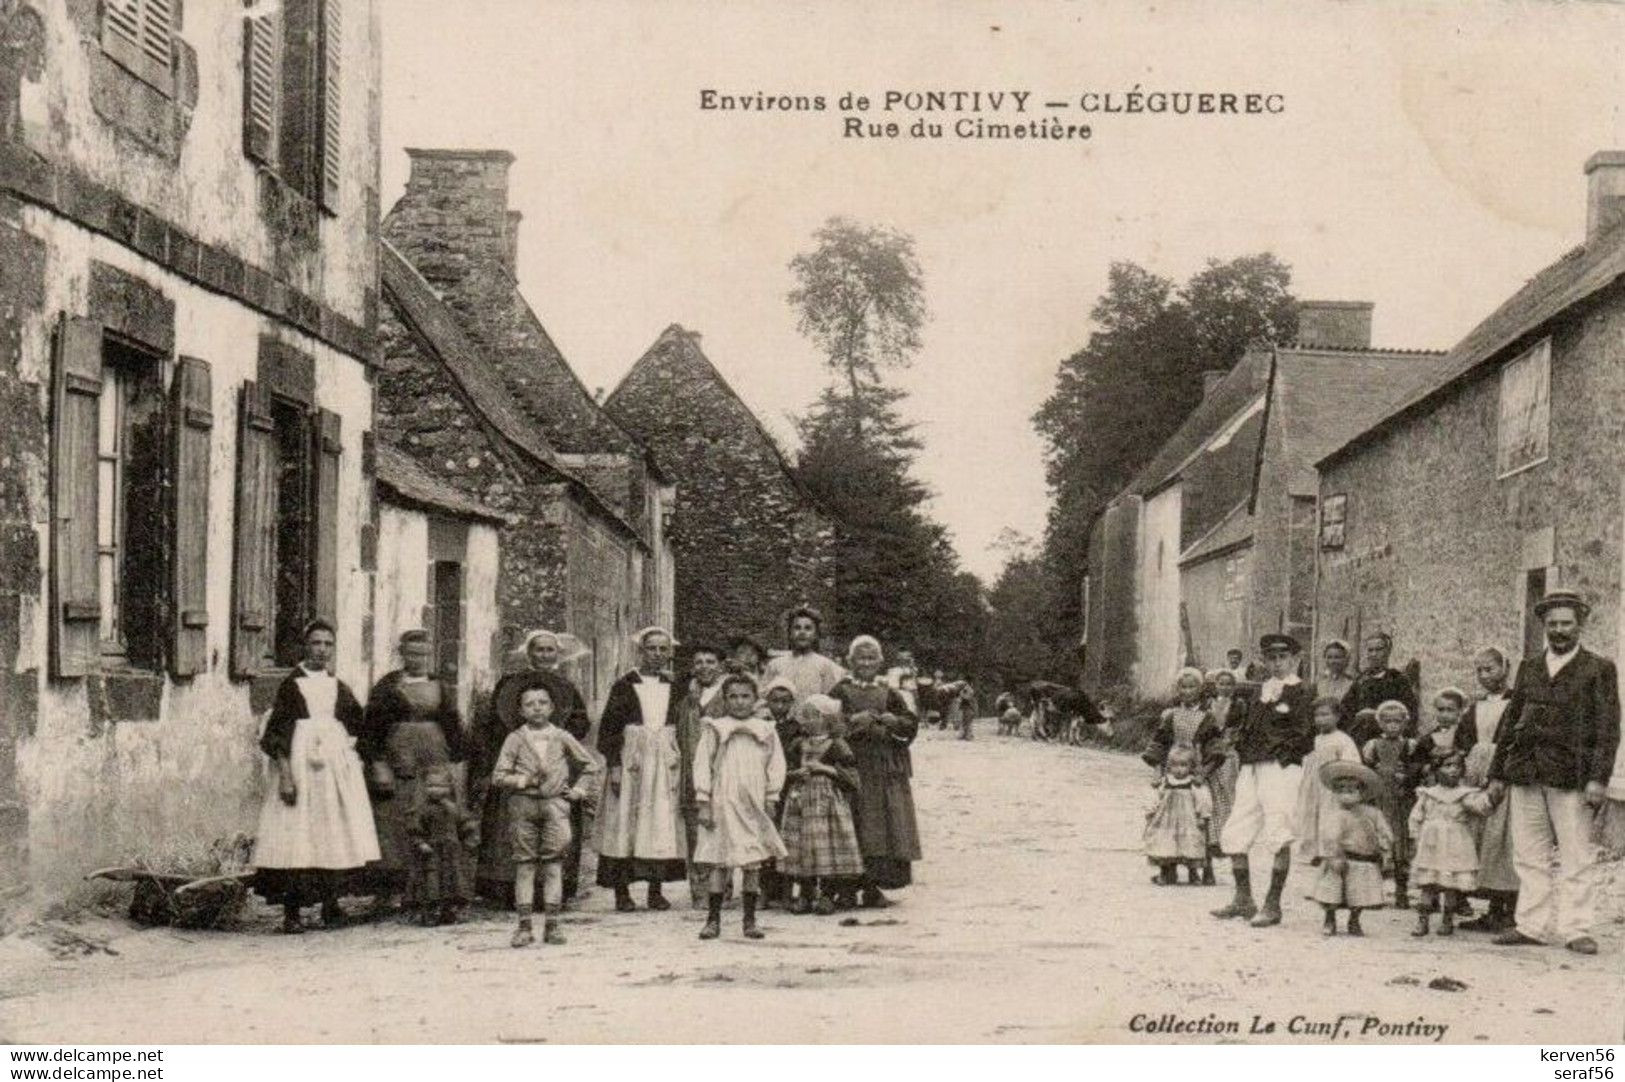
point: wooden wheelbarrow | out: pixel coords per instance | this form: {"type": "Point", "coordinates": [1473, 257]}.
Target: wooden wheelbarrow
{"type": "Point", "coordinates": [181, 900]}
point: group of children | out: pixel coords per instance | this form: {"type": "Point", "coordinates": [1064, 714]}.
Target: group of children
{"type": "Point", "coordinates": [761, 749]}
{"type": "Point", "coordinates": [1415, 807]}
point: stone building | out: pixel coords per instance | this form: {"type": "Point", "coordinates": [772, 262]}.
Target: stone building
{"type": "Point", "coordinates": [750, 541]}
{"type": "Point", "coordinates": [1498, 478]}
{"type": "Point", "coordinates": [473, 391]}
{"type": "Point", "coordinates": [440, 574]}
{"type": "Point", "coordinates": [188, 238]}
{"type": "Point", "coordinates": [1217, 531]}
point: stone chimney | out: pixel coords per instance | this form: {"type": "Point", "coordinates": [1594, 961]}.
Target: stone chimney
{"type": "Point", "coordinates": [454, 214]}
{"type": "Point", "coordinates": [1211, 379]}
{"type": "Point", "coordinates": [1335, 324]}
{"type": "Point", "coordinates": [1605, 192]}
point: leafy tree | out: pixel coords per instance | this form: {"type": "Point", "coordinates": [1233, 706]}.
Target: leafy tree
{"type": "Point", "coordinates": [1122, 395]}
{"type": "Point", "coordinates": [859, 297]}
{"type": "Point", "coordinates": [1017, 648]}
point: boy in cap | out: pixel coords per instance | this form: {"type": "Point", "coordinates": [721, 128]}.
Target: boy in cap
{"type": "Point", "coordinates": [1270, 744]}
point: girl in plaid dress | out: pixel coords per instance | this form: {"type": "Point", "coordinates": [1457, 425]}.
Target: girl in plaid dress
{"type": "Point", "coordinates": [818, 828]}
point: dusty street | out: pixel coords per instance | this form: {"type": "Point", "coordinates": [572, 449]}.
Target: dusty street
{"type": "Point", "coordinates": [1032, 919]}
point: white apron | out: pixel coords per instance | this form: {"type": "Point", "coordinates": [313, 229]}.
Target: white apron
{"type": "Point", "coordinates": [330, 824]}
{"type": "Point", "coordinates": [642, 820]}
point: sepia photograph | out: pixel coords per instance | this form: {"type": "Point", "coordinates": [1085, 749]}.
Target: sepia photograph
{"type": "Point", "coordinates": [548, 522]}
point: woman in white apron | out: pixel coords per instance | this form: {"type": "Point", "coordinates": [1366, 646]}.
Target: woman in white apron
{"type": "Point", "coordinates": [641, 833]}
{"type": "Point", "coordinates": [316, 824]}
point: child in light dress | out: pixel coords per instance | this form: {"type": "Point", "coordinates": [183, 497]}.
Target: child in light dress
{"type": "Point", "coordinates": [1188, 721]}
{"type": "Point", "coordinates": [1176, 825]}
{"type": "Point", "coordinates": [824, 857]}
{"type": "Point", "coordinates": [1446, 863]}
{"type": "Point", "coordinates": [1359, 845]}
{"type": "Point", "coordinates": [1448, 735]}
{"type": "Point", "coordinates": [1317, 804]}
{"type": "Point", "coordinates": [739, 771]}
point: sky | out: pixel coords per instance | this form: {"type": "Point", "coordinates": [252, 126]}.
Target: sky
{"type": "Point", "coordinates": [1428, 158]}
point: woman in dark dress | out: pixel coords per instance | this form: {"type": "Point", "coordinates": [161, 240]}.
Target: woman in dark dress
{"type": "Point", "coordinates": [315, 828]}
{"type": "Point", "coordinates": [541, 653]}
{"type": "Point", "coordinates": [880, 727]}
{"type": "Point", "coordinates": [412, 726]}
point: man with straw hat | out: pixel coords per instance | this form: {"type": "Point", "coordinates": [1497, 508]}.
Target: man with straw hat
{"type": "Point", "coordinates": [1555, 752]}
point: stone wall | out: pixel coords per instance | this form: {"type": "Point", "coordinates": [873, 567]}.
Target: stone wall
{"type": "Point", "coordinates": [747, 540]}
{"type": "Point", "coordinates": [1114, 547]}
{"type": "Point", "coordinates": [1437, 546]}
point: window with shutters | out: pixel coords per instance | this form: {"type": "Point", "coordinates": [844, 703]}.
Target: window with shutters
{"type": "Point", "coordinates": [293, 94]}
{"type": "Point", "coordinates": [130, 537]}
{"type": "Point", "coordinates": [287, 528]}
{"type": "Point", "coordinates": [140, 36]}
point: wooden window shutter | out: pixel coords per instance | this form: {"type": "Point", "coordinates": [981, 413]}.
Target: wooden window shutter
{"type": "Point", "coordinates": [329, 450]}
{"type": "Point", "coordinates": [332, 51]}
{"type": "Point", "coordinates": [262, 85]}
{"type": "Point", "coordinates": [192, 422]}
{"type": "Point", "coordinates": [252, 580]}
{"type": "Point", "coordinates": [75, 407]}
{"type": "Point", "coordinates": [140, 36]}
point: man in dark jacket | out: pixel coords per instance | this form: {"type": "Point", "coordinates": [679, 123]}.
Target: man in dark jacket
{"type": "Point", "coordinates": [1555, 751]}
{"type": "Point", "coordinates": [1278, 732]}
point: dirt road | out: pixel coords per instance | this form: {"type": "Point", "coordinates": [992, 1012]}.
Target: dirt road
{"type": "Point", "coordinates": [1032, 919]}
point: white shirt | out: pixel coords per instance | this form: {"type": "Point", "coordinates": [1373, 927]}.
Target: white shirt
{"type": "Point", "coordinates": [1555, 662]}
{"type": "Point", "coordinates": [709, 692]}
{"type": "Point", "coordinates": [654, 698]}
{"type": "Point", "coordinates": [1487, 715]}
{"type": "Point", "coordinates": [1272, 688]}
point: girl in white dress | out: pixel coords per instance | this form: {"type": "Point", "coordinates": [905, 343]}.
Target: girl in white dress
{"type": "Point", "coordinates": [316, 824]}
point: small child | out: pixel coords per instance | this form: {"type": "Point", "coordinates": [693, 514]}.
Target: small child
{"type": "Point", "coordinates": [1446, 860]}
{"type": "Point", "coordinates": [1448, 736]}
{"type": "Point", "coordinates": [545, 770]}
{"type": "Point", "coordinates": [441, 830]}
{"type": "Point", "coordinates": [1186, 722]}
{"type": "Point", "coordinates": [824, 855]}
{"type": "Point", "coordinates": [738, 773]}
{"type": "Point", "coordinates": [1176, 826]}
{"type": "Point", "coordinates": [779, 700]}
{"type": "Point", "coordinates": [1390, 755]}
{"type": "Point", "coordinates": [1360, 844]}
{"type": "Point", "coordinates": [1317, 805]}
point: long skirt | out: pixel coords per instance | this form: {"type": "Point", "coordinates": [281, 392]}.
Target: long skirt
{"type": "Point", "coordinates": [818, 832]}
{"type": "Point", "coordinates": [1495, 870]}
{"type": "Point", "coordinates": [1222, 784]}
{"type": "Point", "coordinates": [888, 833]}
{"type": "Point", "coordinates": [329, 826]}
{"type": "Point", "coordinates": [641, 833]}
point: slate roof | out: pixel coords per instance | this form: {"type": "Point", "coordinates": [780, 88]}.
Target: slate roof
{"type": "Point", "coordinates": [423, 311]}
{"type": "Point", "coordinates": [1232, 531]}
{"type": "Point", "coordinates": [1327, 396]}
{"type": "Point", "coordinates": [677, 337]}
{"type": "Point", "coordinates": [412, 485]}
{"type": "Point", "coordinates": [1580, 273]}
{"type": "Point", "coordinates": [1235, 393]}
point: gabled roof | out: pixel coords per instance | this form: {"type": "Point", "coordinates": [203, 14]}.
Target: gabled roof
{"type": "Point", "coordinates": [1576, 276]}
{"type": "Point", "coordinates": [411, 485]}
{"type": "Point", "coordinates": [1233, 395]}
{"type": "Point", "coordinates": [428, 317]}
{"type": "Point", "coordinates": [1326, 396]}
{"type": "Point", "coordinates": [1230, 532]}
{"type": "Point", "coordinates": [686, 342]}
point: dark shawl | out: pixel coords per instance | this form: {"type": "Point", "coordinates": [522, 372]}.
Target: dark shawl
{"type": "Point", "coordinates": [289, 706]}
{"type": "Point", "coordinates": [387, 708]}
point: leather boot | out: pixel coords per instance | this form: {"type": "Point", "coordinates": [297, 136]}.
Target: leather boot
{"type": "Point", "coordinates": [1421, 928]}
{"type": "Point", "coordinates": [1270, 914]}
{"type": "Point", "coordinates": [751, 931]}
{"type": "Point", "coordinates": [1242, 904]}
{"type": "Point", "coordinates": [713, 916]}
{"type": "Point", "coordinates": [1402, 897]}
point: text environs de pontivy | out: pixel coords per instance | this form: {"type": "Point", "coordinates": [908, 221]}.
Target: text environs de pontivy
{"type": "Point", "coordinates": [1131, 102]}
